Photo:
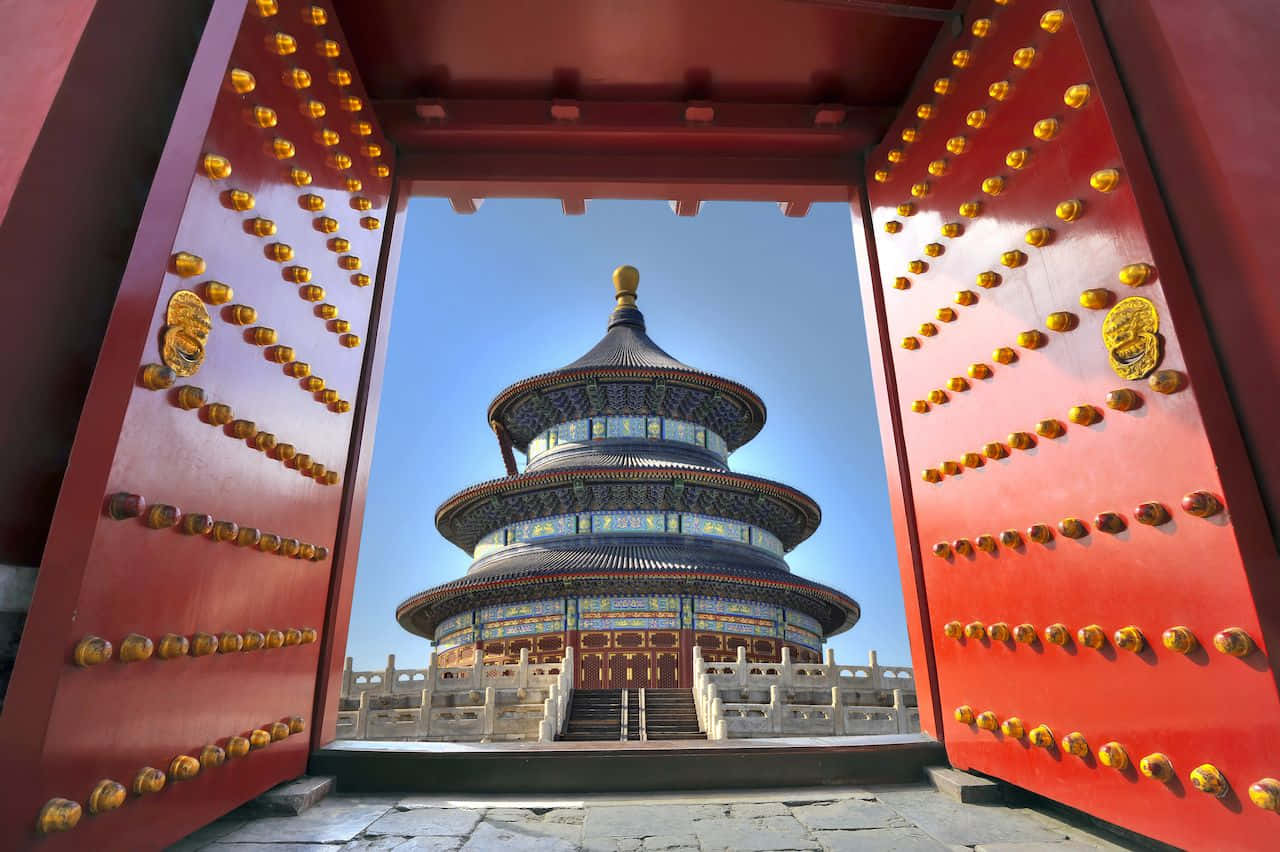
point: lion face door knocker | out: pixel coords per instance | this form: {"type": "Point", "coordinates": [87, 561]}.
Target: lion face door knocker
{"type": "Point", "coordinates": [1130, 334]}
{"type": "Point", "coordinates": [185, 334]}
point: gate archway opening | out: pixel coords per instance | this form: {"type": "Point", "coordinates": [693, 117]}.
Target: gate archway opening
{"type": "Point", "coordinates": [1064, 158]}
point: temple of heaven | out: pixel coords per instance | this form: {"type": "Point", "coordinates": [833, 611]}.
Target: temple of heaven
{"type": "Point", "coordinates": [627, 537]}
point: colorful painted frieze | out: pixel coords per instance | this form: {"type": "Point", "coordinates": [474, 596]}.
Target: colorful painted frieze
{"type": "Point", "coordinates": [525, 609]}
{"type": "Point", "coordinates": [766, 541]}
{"type": "Point", "coordinates": [455, 639]}
{"type": "Point", "coordinates": [626, 427]}
{"type": "Point", "coordinates": [724, 606]}
{"type": "Point", "coordinates": [664, 603]}
{"type": "Point", "coordinates": [454, 623]}
{"type": "Point", "coordinates": [542, 528]}
{"type": "Point", "coordinates": [802, 637]}
{"type": "Point", "coordinates": [705, 525]}
{"type": "Point", "coordinates": [679, 430]}
{"type": "Point", "coordinates": [493, 541]}
{"type": "Point", "coordinates": [524, 627]}
{"type": "Point", "coordinates": [573, 432]}
{"type": "Point", "coordinates": [804, 622]}
{"type": "Point", "coordinates": [614, 522]}
{"type": "Point", "coordinates": [724, 624]}
{"type": "Point", "coordinates": [629, 622]}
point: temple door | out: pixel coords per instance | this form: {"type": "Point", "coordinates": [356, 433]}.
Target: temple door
{"type": "Point", "coordinates": [1083, 549]}
{"type": "Point", "coordinates": [667, 667]}
{"type": "Point", "coordinates": [185, 603]}
{"type": "Point", "coordinates": [619, 671]}
{"type": "Point", "coordinates": [591, 671]}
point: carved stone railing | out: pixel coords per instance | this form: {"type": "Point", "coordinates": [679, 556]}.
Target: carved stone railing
{"type": "Point", "coordinates": [745, 699]}
{"type": "Point", "coordinates": [481, 703]}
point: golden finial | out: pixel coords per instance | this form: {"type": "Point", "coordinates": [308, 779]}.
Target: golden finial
{"type": "Point", "coordinates": [625, 281]}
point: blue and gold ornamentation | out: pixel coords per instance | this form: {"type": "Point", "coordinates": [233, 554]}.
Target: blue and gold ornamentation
{"type": "Point", "coordinates": [612, 522]}
{"type": "Point", "coordinates": [539, 528]}
{"type": "Point", "coordinates": [524, 609]}
{"type": "Point", "coordinates": [628, 522]}
{"type": "Point", "coordinates": [454, 623]}
{"type": "Point", "coordinates": [704, 525]}
{"type": "Point", "coordinates": [624, 428]}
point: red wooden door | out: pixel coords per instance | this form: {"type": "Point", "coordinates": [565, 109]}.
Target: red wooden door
{"type": "Point", "coordinates": [591, 672]}
{"type": "Point", "coordinates": [628, 670]}
{"type": "Point", "coordinates": [169, 667]}
{"type": "Point", "coordinates": [1077, 521]}
{"type": "Point", "coordinates": [668, 670]}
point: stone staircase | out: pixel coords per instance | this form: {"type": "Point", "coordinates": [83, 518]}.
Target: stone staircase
{"type": "Point", "coordinates": [595, 714]}
{"type": "Point", "coordinates": [670, 715]}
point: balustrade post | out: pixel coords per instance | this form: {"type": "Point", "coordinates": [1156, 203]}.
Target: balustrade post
{"type": "Point", "coordinates": [522, 673]}
{"type": "Point", "coordinates": [389, 675]}
{"type": "Point", "coordinates": [424, 714]}
{"type": "Point", "coordinates": [477, 670]}
{"type": "Point", "coordinates": [545, 726]}
{"type": "Point", "coordinates": [899, 709]}
{"type": "Point", "coordinates": [348, 677]}
{"type": "Point", "coordinates": [717, 728]}
{"type": "Point", "coordinates": [362, 717]}
{"type": "Point", "coordinates": [786, 668]}
{"type": "Point", "coordinates": [490, 712]}
{"type": "Point", "coordinates": [877, 678]}
{"type": "Point", "coordinates": [837, 710]}
{"type": "Point", "coordinates": [775, 709]}
{"type": "Point", "coordinates": [833, 675]}
{"type": "Point", "coordinates": [742, 666]}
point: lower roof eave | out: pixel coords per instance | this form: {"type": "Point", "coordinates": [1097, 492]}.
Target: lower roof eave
{"type": "Point", "coordinates": [421, 613]}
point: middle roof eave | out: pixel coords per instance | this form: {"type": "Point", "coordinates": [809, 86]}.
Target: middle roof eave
{"type": "Point", "coordinates": [807, 511]}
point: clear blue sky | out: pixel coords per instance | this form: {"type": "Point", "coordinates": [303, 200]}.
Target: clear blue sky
{"type": "Point", "coordinates": [519, 288]}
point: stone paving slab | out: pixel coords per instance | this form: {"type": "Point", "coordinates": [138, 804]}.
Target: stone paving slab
{"type": "Point", "coordinates": [909, 839]}
{"type": "Point", "coordinates": [913, 818]}
{"type": "Point", "coordinates": [426, 822]}
{"type": "Point", "coordinates": [387, 843]}
{"type": "Point", "coordinates": [337, 819]}
{"type": "Point", "coordinates": [765, 834]}
{"type": "Point", "coordinates": [951, 822]}
{"type": "Point", "coordinates": [489, 836]}
{"type": "Point", "coordinates": [849, 814]}
{"type": "Point", "coordinates": [612, 822]}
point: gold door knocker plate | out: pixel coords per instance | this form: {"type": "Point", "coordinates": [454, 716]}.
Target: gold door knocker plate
{"type": "Point", "coordinates": [186, 331]}
{"type": "Point", "coordinates": [1130, 334]}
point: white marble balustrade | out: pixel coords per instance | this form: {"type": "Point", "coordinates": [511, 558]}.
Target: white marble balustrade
{"type": "Point", "coordinates": [748, 699]}
{"type": "Point", "coordinates": [478, 703]}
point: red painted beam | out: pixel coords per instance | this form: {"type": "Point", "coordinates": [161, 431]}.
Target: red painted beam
{"type": "Point", "coordinates": [478, 175]}
{"type": "Point", "coordinates": [893, 10]}
{"type": "Point", "coordinates": [739, 129]}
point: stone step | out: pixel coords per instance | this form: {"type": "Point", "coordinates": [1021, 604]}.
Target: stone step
{"type": "Point", "coordinates": [963, 787]}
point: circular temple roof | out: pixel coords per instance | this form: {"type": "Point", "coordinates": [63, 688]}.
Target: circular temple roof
{"type": "Point", "coordinates": [627, 373]}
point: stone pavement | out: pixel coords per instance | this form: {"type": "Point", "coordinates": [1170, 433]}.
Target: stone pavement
{"type": "Point", "coordinates": [907, 818]}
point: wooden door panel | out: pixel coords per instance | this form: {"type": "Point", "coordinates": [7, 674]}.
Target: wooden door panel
{"type": "Point", "coordinates": [249, 223]}
{"type": "Point", "coordinates": [1021, 266]}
